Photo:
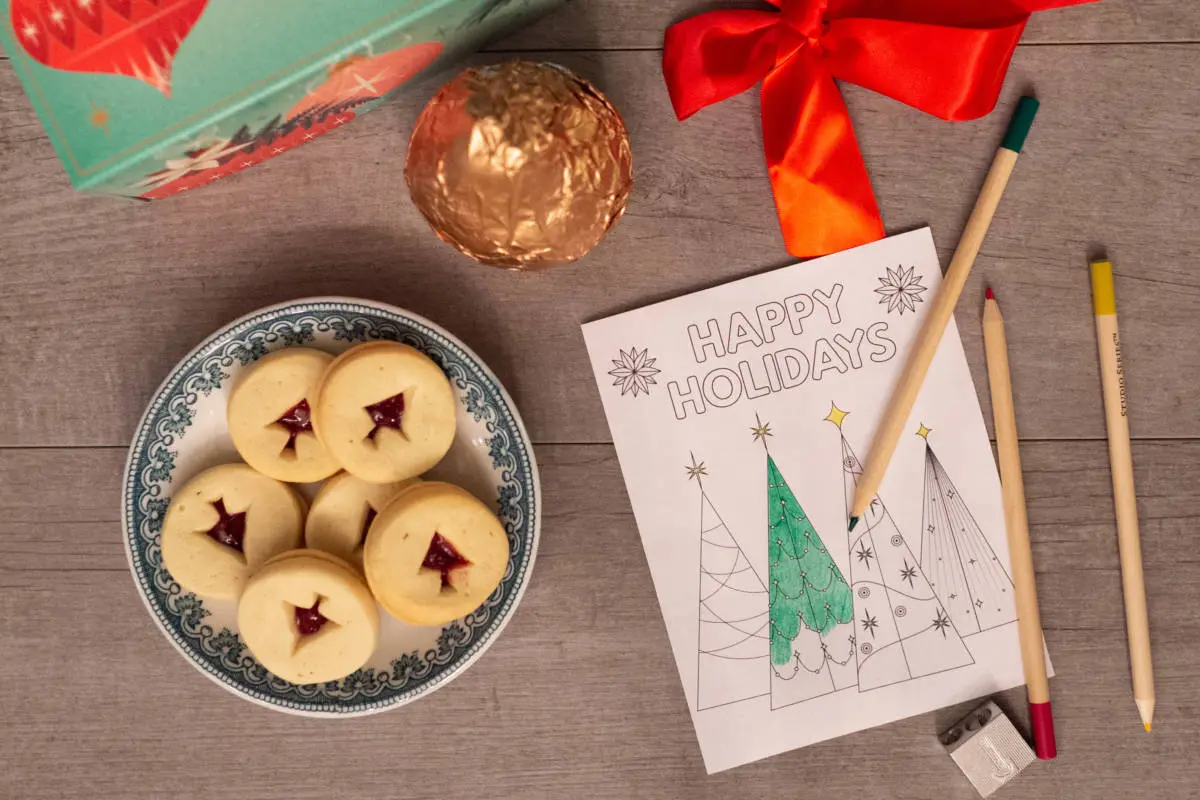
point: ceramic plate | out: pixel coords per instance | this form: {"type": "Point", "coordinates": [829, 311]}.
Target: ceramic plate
{"type": "Point", "coordinates": [183, 432]}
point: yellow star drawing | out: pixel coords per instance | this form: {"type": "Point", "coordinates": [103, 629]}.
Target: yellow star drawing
{"type": "Point", "coordinates": [99, 117]}
{"type": "Point", "coordinates": [924, 432]}
{"type": "Point", "coordinates": [761, 430]}
{"type": "Point", "coordinates": [836, 415]}
{"type": "Point", "coordinates": [695, 470]}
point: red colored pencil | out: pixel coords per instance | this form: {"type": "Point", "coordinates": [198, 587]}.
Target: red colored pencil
{"type": "Point", "coordinates": [1029, 622]}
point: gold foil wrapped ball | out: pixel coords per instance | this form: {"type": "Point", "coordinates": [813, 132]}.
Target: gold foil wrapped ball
{"type": "Point", "coordinates": [521, 165]}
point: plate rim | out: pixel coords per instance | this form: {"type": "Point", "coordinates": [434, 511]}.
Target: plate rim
{"type": "Point", "coordinates": [334, 712]}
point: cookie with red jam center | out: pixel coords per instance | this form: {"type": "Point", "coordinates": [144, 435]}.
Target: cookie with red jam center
{"type": "Point", "coordinates": [434, 554]}
{"type": "Point", "coordinates": [308, 617]}
{"type": "Point", "coordinates": [270, 414]}
{"type": "Point", "coordinates": [385, 411]}
{"type": "Point", "coordinates": [226, 522]}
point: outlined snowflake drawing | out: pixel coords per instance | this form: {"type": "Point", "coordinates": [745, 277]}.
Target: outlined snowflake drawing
{"type": "Point", "coordinates": [634, 371]}
{"type": "Point", "coordinates": [900, 289]}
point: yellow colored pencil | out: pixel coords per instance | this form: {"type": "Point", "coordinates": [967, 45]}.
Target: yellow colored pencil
{"type": "Point", "coordinates": [1120, 457]}
{"type": "Point", "coordinates": [942, 309]}
{"type": "Point", "coordinates": [1029, 620]}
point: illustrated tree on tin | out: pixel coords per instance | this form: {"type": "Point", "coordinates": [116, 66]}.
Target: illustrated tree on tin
{"type": "Point", "coordinates": [903, 630]}
{"type": "Point", "coordinates": [811, 607]}
{"type": "Point", "coordinates": [732, 637]}
{"type": "Point", "coordinates": [962, 567]}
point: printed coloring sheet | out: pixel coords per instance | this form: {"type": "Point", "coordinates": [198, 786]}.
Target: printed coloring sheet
{"type": "Point", "coordinates": [740, 415]}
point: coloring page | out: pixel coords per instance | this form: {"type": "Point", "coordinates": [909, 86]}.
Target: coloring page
{"type": "Point", "coordinates": [741, 416]}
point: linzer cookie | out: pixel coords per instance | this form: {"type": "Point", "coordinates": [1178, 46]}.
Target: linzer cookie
{"type": "Point", "coordinates": [270, 416]}
{"type": "Point", "coordinates": [385, 412]}
{"type": "Point", "coordinates": [225, 523]}
{"type": "Point", "coordinates": [342, 513]}
{"type": "Point", "coordinates": [434, 554]}
{"type": "Point", "coordinates": [308, 617]}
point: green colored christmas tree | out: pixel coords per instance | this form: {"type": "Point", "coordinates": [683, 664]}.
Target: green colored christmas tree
{"type": "Point", "coordinates": [807, 588]}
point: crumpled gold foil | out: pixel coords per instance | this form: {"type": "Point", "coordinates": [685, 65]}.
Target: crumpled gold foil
{"type": "Point", "coordinates": [521, 165]}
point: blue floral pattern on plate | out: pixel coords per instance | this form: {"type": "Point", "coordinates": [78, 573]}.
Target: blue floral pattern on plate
{"type": "Point", "coordinates": [163, 434]}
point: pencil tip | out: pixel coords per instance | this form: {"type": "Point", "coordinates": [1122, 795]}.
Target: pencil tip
{"type": "Point", "coordinates": [1145, 709]}
{"type": "Point", "coordinates": [990, 294]}
{"type": "Point", "coordinates": [853, 522]}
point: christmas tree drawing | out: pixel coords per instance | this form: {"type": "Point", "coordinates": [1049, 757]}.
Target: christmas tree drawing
{"type": "Point", "coordinates": [733, 645]}
{"type": "Point", "coordinates": [902, 629]}
{"type": "Point", "coordinates": [811, 607]}
{"type": "Point", "coordinates": [961, 565]}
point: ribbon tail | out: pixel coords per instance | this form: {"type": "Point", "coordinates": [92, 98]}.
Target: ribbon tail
{"type": "Point", "coordinates": [822, 191]}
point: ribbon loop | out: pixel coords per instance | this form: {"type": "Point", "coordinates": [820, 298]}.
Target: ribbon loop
{"type": "Point", "coordinates": [945, 57]}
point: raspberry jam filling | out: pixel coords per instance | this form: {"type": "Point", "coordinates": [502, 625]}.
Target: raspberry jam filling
{"type": "Point", "coordinates": [309, 620]}
{"type": "Point", "coordinates": [296, 420]}
{"type": "Point", "coordinates": [387, 413]}
{"type": "Point", "coordinates": [230, 529]}
{"type": "Point", "coordinates": [442, 556]}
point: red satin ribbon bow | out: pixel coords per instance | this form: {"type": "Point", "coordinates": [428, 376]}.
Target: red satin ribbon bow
{"type": "Point", "coordinates": [945, 57]}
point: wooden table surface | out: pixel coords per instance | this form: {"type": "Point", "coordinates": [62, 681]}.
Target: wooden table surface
{"type": "Point", "coordinates": [579, 698]}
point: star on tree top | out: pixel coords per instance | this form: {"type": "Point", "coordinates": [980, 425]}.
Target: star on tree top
{"type": "Point", "coordinates": [761, 430]}
{"type": "Point", "coordinates": [694, 470]}
{"type": "Point", "coordinates": [924, 432]}
{"type": "Point", "coordinates": [836, 415]}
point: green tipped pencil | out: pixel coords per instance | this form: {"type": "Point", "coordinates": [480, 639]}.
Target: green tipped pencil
{"type": "Point", "coordinates": [942, 308]}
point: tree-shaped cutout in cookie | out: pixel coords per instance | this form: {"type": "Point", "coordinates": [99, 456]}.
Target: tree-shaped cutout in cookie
{"type": "Point", "coordinates": [230, 529]}
{"type": "Point", "coordinates": [443, 557]}
{"type": "Point", "coordinates": [296, 420]}
{"type": "Point", "coordinates": [387, 413]}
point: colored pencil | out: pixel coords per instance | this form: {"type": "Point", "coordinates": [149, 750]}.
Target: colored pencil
{"type": "Point", "coordinates": [942, 309]}
{"type": "Point", "coordinates": [1029, 620]}
{"type": "Point", "coordinates": [1120, 457]}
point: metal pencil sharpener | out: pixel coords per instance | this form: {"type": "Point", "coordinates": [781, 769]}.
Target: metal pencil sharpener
{"type": "Point", "coordinates": [987, 748]}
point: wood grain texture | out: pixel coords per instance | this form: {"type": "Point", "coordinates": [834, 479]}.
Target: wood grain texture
{"type": "Point", "coordinates": [635, 24]}
{"type": "Point", "coordinates": [108, 294]}
{"type": "Point", "coordinates": [579, 697]}
{"type": "Point", "coordinates": [639, 25]}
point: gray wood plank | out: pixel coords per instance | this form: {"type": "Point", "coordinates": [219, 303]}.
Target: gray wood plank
{"type": "Point", "coordinates": [579, 697]}
{"type": "Point", "coordinates": [102, 296]}
{"type": "Point", "coordinates": [617, 24]}
{"type": "Point", "coordinates": [638, 25]}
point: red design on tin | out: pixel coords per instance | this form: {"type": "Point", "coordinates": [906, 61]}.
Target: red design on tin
{"type": "Point", "coordinates": [367, 77]}
{"type": "Point", "coordinates": [138, 38]}
{"type": "Point", "coordinates": [195, 170]}
{"type": "Point", "coordinates": [350, 83]}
